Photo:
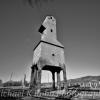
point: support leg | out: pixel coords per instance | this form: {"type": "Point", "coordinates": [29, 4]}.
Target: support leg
{"type": "Point", "coordinates": [53, 79]}
{"type": "Point", "coordinates": [33, 74]}
{"type": "Point", "coordinates": [58, 80]}
{"type": "Point", "coordinates": [65, 77]}
{"type": "Point", "coordinates": [39, 80]}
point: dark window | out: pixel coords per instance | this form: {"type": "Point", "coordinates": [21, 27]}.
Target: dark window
{"type": "Point", "coordinates": [50, 17]}
{"type": "Point", "coordinates": [41, 29]}
{"type": "Point", "coordinates": [51, 30]}
{"type": "Point", "coordinates": [53, 54]}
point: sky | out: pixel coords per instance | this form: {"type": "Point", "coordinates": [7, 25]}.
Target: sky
{"type": "Point", "coordinates": [78, 23]}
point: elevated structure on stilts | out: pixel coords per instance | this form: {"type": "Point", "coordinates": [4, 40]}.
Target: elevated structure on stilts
{"type": "Point", "coordinates": [48, 55]}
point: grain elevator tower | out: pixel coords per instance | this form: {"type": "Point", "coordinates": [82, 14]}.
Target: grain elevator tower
{"type": "Point", "coordinates": [48, 55]}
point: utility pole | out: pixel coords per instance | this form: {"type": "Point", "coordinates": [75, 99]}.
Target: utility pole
{"type": "Point", "coordinates": [11, 76]}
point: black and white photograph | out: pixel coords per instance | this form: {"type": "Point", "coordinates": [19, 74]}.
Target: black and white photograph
{"type": "Point", "coordinates": [49, 50]}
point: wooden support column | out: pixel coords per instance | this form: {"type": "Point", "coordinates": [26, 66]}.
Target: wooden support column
{"type": "Point", "coordinates": [58, 79]}
{"type": "Point", "coordinates": [32, 73]}
{"type": "Point", "coordinates": [33, 76]}
{"type": "Point", "coordinates": [39, 73]}
{"type": "Point", "coordinates": [53, 79]}
{"type": "Point", "coordinates": [65, 77]}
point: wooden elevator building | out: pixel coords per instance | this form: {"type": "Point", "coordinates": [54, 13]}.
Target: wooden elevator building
{"type": "Point", "coordinates": [48, 55]}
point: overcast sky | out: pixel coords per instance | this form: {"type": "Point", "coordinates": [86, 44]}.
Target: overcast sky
{"type": "Point", "coordinates": [78, 29]}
